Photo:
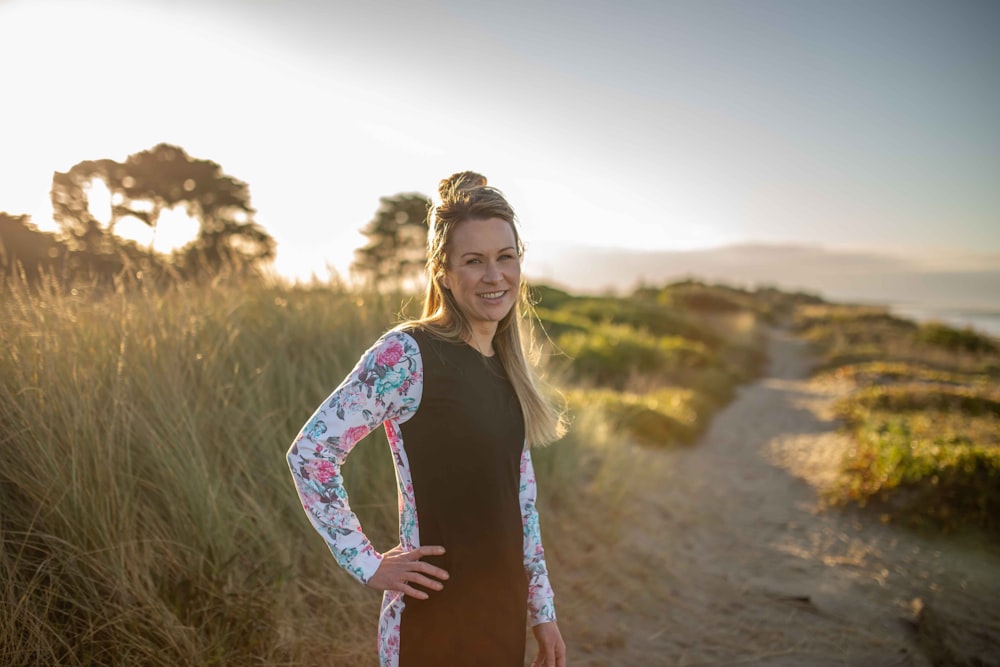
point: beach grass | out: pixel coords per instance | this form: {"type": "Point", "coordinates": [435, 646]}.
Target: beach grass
{"type": "Point", "coordinates": [924, 415]}
{"type": "Point", "coordinates": [147, 515]}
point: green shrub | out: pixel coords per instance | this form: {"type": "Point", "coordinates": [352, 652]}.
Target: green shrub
{"type": "Point", "coordinates": [546, 296]}
{"type": "Point", "coordinates": [883, 372]}
{"type": "Point", "coordinates": [958, 340]}
{"type": "Point", "coordinates": [926, 418]}
{"type": "Point", "coordinates": [920, 397]}
{"type": "Point", "coordinates": [665, 417]}
{"type": "Point", "coordinates": [655, 319]}
{"type": "Point", "coordinates": [927, 455]}
{"type": "Point", "coordinates": [612, 354]}
{"type": "Point", "coordinates": [940, 483]}
{"type": "Point", "coordinates": [558, 322]}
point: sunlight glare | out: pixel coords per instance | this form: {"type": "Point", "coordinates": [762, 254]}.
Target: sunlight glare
{"type": "Point", "coordinates": [99, 198]}
{"type": "Point", "coordinates": [136, 230]}
{"type": "Point", "coordinates": [174, 230]}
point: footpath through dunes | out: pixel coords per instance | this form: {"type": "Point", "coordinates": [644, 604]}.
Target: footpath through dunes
{"type": "Point", "coordinates": [733, 560]}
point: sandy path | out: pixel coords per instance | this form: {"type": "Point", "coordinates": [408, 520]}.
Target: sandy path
{"type": "Point", "coordinates": [736, 561]}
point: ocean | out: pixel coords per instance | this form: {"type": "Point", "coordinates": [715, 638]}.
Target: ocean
{"type": "Point", "coordinates": [984, 320]}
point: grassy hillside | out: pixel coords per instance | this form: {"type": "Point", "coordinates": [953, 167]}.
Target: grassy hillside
{"type": "Point", "coordinates": [146, 512]}
{"type": "Point", "coordinates": [658, 364]}
{"type": "Point", "coordinates": [147, 515]}
{"type": "Point", "coordinates": [925, 415]}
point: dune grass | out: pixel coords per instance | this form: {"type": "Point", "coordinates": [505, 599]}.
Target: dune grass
{"type": "Point", "coordinates": [653, 370]}
{"type": "Point", "coordinates": [146, 512]}
{"type": "Point", "coordinates": [925, 416]}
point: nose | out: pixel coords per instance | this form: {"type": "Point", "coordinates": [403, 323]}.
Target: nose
{"type": "Point", "coordinates": [492, 273]}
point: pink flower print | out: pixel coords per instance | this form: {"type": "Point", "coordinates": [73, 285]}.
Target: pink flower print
{"type": "Point", "coordinates": [309, 498]}
{"type": "Point", "coordinates": [392, 645]}
{"type": "Point", "coordinates": [390, 354]}
{"type": "Point", "coordinates": [352, 435]}
{"type": "Point", "coordinates": [321, 471]}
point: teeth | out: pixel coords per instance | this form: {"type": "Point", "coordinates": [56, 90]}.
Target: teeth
{"type": "Point", "coordinates": [493, 295]}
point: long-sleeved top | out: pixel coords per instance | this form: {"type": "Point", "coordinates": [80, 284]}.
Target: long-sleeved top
{"type": "Point", "coordinates": [465, 482]}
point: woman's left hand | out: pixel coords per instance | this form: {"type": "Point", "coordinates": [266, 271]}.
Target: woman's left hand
{"type": "Point", "coordinates": [551, 647]}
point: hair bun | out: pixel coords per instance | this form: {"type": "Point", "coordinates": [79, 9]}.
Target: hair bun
{"type": "Point", "coordinates": [463, 180]}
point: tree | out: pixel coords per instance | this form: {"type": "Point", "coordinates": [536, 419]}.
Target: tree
{"type": "Point", "coordinates": [396, 252]}
{"type": "Point", "coordinates": [24, 248]}
{"type": "Point", "coordinates": [23, 245]}
{"type": "Point", "coordinates": [155, 180]}
{"type": "Point", "coordinates": [71, 207]}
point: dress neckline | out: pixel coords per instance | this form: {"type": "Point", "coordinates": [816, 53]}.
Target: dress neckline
{"type": "Point", "coordinates": [477, 351]}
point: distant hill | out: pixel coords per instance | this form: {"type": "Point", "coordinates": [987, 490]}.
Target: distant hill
{"type": "Point", "coordinates": [952, 281]}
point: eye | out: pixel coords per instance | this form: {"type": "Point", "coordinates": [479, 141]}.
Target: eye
{"type": "Point", "coordinates": [507, 256]}
{"type": "Point", "coordinates": [475, 260]}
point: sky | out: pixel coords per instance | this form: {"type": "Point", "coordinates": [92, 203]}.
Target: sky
{"type": "Point", "coordinates": [852, 126]}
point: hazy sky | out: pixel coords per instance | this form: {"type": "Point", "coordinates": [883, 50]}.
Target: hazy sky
{"type": "Point", "coordinates": [649, 125]}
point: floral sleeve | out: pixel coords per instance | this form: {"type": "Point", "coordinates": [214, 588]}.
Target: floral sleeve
{"type": "Point", "coordinates": [385, 385]}
{"type": "Point", "coordinates": [541, 605]}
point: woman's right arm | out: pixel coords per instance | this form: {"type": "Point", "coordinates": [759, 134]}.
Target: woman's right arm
{"type": "Point", "coordinates": [385, 384]}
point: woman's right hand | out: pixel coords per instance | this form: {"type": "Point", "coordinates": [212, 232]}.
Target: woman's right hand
{"type": "Point", "coordinates": [399, 569]}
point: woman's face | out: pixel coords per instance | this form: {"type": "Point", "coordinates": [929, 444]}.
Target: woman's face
{"type": "Point", "coordinates": [483, 271]}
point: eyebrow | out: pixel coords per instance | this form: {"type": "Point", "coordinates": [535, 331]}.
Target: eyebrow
{"type": "Point", "coordinates": [480, 254]}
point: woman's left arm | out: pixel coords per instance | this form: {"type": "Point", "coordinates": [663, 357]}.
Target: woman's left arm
{"type": "Point", "coordinates": [541, 605]}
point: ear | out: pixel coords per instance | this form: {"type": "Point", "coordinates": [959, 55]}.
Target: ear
{"type": "Point", "coordinates": [445, 283]}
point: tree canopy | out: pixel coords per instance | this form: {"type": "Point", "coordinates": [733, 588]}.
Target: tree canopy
{"type": "Point", "coordinates": [150, 182]}
{"type": "Point", "coordinates": [22, 243]}
{"type": "Point", "coordinates": [396, 251]}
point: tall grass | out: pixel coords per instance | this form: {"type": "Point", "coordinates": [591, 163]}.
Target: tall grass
{"type": "Point", "coordinates": [147, 515]}
{"type": "Point", "coordinates": [146, 512]}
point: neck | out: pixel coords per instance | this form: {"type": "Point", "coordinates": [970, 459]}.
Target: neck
{"type": "Point", "coordinates": [482, 338]}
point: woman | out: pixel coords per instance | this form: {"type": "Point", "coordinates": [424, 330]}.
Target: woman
{"type": "Point", "coordinates": [461, 409]}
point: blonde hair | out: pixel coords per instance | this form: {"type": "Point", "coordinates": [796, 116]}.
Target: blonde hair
{"type": "Point", "coordinates": [466, 196]}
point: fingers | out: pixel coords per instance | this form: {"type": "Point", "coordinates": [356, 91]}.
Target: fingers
{"type": "Point", "coordinates": [542, 660]}
{"type": "Point", "coordinates": [428, 569]}
{"type": "Point", "coordinates": [426, 582]}
{"type": "Point", "coordinates": [420, 552]}
{"type": "Point", "coordinates": [402, 571]}
{"type": "Point", "coordinates": [546, 658]}
{"type": "Point", "coordinates": [412, 592]}
{"type": "Point", "coordinates": [551, 647]}
{"type": "Point", "coordinates": [417, 565]}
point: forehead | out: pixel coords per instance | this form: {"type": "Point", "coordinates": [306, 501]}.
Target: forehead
{"type": "Point", "coordinates": [482, 236]}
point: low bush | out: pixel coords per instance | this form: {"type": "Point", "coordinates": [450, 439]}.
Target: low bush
{"type": "Point", "coordinates": [922, 397]}
{"type": "Point", "coordinates": [925, 415]}
{"type": "Point", "coordinates": [938, 470]}
{"type": "Point", "coordinates": [884, 372]}
{"type": "Point", "coordinates": [956, 340]}
{"type": "Point", "coordinates": [610, 355]}
{"type": "Point", "coordinates": [662, 418]}
{"type": "Point", "coordinates": [655, 319]}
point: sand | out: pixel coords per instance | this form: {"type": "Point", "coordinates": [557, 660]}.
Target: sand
{"type": "Point", "coordinates": [734, 559]}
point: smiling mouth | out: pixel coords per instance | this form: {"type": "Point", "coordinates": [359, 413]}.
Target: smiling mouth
{"type": "Point", "coordinates": [493, 295]}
